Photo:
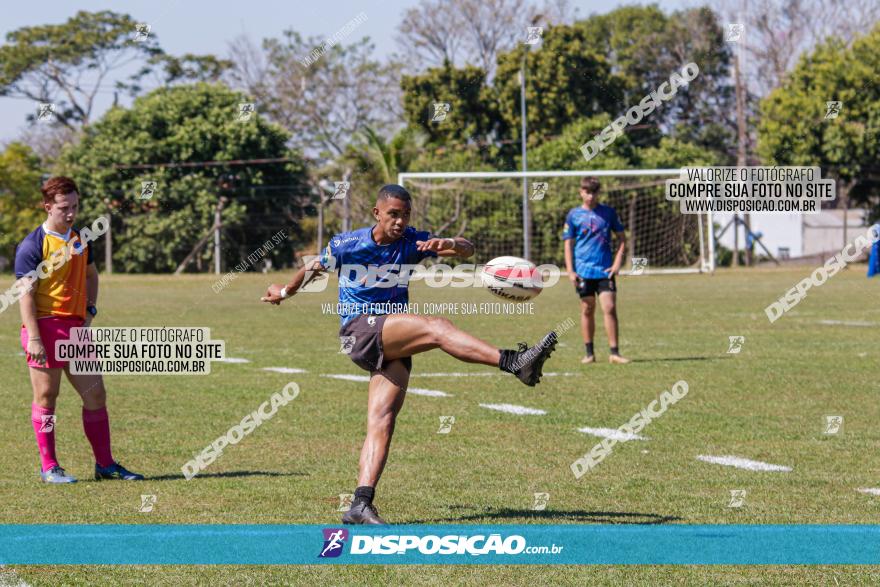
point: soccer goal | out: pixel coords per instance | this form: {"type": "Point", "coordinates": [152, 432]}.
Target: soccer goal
{"type": "Point", "coordinates": [491, 209]}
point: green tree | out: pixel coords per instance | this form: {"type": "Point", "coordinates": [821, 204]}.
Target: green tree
{"type": "Point", "coordinates": [796, 128]}
{"type": "Point", "coordinates": [20, 196]}
{"type": "Point", "coordinates": [183, 124]}
{"type": "Point", "coordinates": [68, 64]}
{"type": "Point", "coordinates": [566, 79]}
{"type": "Point", "coordinates": [644, 46]}
{"type": "Point", "coordinates": [472, 114]}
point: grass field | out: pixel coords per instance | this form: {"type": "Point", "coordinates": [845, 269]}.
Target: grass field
{"type": "Point", "coordinates": [767, 403]}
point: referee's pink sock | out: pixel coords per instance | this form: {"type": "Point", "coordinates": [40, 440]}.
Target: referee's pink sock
{"type": "Point", "coordinates": [96, 424]}
{"type": "Point", "coordinates": [44, 430]}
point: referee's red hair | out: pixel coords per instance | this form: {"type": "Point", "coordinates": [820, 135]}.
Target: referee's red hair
{"type": "Point", "coordinates": [57, 186]}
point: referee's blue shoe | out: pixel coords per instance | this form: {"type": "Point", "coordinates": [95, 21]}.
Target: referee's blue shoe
{"type": "Point", "coordinates": [115, 471]}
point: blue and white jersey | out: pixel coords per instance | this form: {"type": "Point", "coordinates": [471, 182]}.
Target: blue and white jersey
{"type": "Point", "coordinates": [591, 231]}
{"type": "Point", "coordinates": [373, 278]}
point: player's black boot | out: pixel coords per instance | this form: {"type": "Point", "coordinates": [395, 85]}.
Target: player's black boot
{"type": "Point", "coordinates": [362, 512]}
{"type": "Point", "coordinates": [526, 363]}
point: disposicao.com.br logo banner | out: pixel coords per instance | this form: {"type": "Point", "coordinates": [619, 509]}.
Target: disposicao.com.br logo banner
{"type": "Point", "coordinates": [397, 541]}
{"type": "Point", "coordinates": [580, 544]}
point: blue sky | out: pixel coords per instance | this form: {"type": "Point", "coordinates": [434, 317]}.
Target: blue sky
{"type": "Point", "coordinates": [202, 26]}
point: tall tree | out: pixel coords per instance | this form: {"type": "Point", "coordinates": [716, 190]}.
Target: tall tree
{"type": "Point", "coordinates": [188, 124]}
{"type": "Point", "coordinates": [472, 112]}
{"type": "Point", "coordinates": [322, 94]}
{"type": "Point", "coordinates": [799, 128]}
{"type": "Point", "coordinates": [472, 32]}
{"type": "Point", "coordinates": [566, 79]}
{"type": "Point", "coordinates": [67, 64]}
{"type": "Point", "coordinates": [20, 197]}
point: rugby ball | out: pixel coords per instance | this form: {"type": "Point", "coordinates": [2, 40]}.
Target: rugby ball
{"type": "Point", "coordinates": [512, 278]}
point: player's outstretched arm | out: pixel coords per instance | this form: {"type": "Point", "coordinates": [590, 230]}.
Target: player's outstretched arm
{"type": "Point", "coordinates": [448, 247]}
{"type": "Point", "coordinates": [305, 275]}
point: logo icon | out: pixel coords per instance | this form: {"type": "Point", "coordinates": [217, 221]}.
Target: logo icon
{"type": "Point", "coordinates": [45, 111]}
{"type": "Point", "coordinates": [334, 540]}
{"type": "Point", "coordinates": [539, 190]}
{"type": "Point", "coordinates": [342, 188]}
{"type": "Point", "coordinates": [639, 264]}
{"type": "Point", "coordinates": [832, 109]}
{"type": "Point", "coordinates": [534, 35]}
{"type": "Point", "coordinates": [346, 344]}
{"type": "Point", "coordinates": [147, 503]}
{"type": "Point", "coordinates": [735, 31]}
{"type": "Point", "coordinates": [148, 188]}
{"type": "Point", "coordinates": [441, 109]}
{"type": "Point", "coordinates": [246, 111]}
{"type": "Point", "coordinates": [47, 422]}
{"type": "Point", "coordinates": [833, 424]}
{"type": "Point", "coordinates": [541, 500]}
{"type": "Point", "coordinates": [371, 320]}
{"type": "Point", "coordinates": [345, 502]}
{"type": "Point", "coordinates": [446, 423]}
{"type": "Point", "coordinates": [735, 344]}
{"type": "Point", "coordinates": [737, 498]}
{"type": "Point", "coordinates": [141, 32]}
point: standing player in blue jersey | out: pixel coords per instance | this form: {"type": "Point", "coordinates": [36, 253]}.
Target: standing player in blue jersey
{"type": "Point", "coordinates": [381, 339]}
{"type": "Point", "coordinates": [588, 260]}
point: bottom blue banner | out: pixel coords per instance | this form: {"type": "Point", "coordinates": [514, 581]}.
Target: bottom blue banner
{"type": "Point", "coordinates": [444, 544]}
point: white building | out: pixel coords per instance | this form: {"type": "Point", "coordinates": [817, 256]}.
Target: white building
{"type": "Point", "coordinates": [798, 235]}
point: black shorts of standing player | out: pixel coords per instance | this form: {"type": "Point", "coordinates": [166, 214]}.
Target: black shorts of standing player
{"type": "Point", "coordinates": [587, 288]}
{"type": "Point", "coordinates": [361, 340]}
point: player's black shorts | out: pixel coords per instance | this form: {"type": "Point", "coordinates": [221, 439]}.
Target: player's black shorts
{"type": "Point", "coordinates": [588, 287]}
{"type": "Point", "coordinates": [361, 340]}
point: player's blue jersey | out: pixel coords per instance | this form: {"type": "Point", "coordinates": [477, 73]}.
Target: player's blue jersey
{"type": "Point", "coordinates": [373, 278]}
{"type": "Point", "coordinates": [591, 231]}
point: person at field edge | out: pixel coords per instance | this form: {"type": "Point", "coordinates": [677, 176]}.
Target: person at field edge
{"type": "Point", "coordinates": [591, 266]}
{"type": "Point", "coordinates": [381, 339]}
{"type": "Point", "coordinates": [55, 303]}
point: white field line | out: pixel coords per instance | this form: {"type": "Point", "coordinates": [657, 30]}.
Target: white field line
{"type": "Point", "coordinates": [427, 392]}
{"type": "Point", "coordinates": [514, 409]}
{"type": "Point", "coordinates": [347, 377]}
{"type": "Point", "coordinates": [847, 323]}
{"type": "Point", "coordinates": [612, 433]}
{"type": "Point", "coordinates": [741, 463]}
{"type": "Point", "coordinates": [284, 370]}
{"type": "Point", "coordinates": [869, 490]}
{"type": "Point", "coordinates": [414, 390]}
{"type": "Point", "coordinates": [231, 360]}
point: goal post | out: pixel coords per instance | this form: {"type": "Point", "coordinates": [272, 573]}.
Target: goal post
{"type": "Point", "coordinates": [490, 209]}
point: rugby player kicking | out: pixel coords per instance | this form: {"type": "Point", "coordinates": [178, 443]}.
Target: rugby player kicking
{"type": "Point", "coordinates": [383, 343]}
{"type": "Point", "coordinates": [64, 299]}
{"type": "Point", "coordinates": [588, 260]}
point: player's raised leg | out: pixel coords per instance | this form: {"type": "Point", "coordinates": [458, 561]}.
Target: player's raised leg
{"type": "Point", "coordinates": [96, 425]}
{"type": "Point", "coordinates": [383, 404]}
{"type": "Point", "coordinates": [404, 335]}
{"type": "Point", "coordinates": [588, 327]}
{"type": "Point", "coordinates": [608, 301]}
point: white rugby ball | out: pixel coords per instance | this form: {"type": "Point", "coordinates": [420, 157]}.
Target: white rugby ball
{"type": "Point", "coordinates": [512, 278]}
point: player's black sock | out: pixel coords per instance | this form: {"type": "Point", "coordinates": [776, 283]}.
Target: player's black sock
{"type": "Point", "coordinates": [505, 363]}
{"type": "Point", "coordinates": [364, 493]}
{"type": "Point", "coordinates": [614, 351]}
{"type": "Point", "coordinates": [588, 346]}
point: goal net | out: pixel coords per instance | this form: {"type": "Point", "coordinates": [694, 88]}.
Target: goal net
{"type": "Point", "coordinates": [488, 209]}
